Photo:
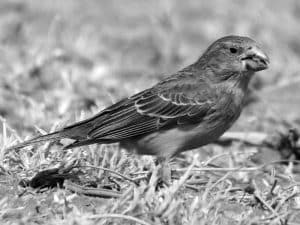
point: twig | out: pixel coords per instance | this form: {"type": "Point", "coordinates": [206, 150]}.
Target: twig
{"type": "Point", "coordinates": [96, 192]}
{"type": "Point", "coordinates": [136, 179]}
{"type": "Point", "coordinates": [112, 171]}
{"type": "Point", "coordinates": [234, 169]}
{"type": "Point", "coordinates": [140, 173]}
{"type": "Point", "coordinates": [119, 216]}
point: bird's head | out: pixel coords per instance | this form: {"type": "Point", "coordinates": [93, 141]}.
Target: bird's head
{"type": "Point", "coordinates": [234, 54]}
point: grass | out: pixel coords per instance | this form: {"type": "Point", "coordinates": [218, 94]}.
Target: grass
{"type": "Point", "coordinates": [63, 61]}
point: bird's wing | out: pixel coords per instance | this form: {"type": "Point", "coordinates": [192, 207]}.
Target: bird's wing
{"type": "Point", "coordinates": [166, 105]}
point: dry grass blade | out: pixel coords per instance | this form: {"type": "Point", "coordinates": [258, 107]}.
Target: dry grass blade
{"type": "Point", "coordinates": [95, 192]}
{"type": "Point", "coordinates": [113, 172]}
{"type": "Point", "coordinates": [237, 169]}
{"type": "Point", "coordinates": [119, 216]}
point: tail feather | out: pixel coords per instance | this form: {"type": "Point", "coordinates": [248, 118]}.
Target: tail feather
{"type": "Point", "coordinates": [80, 143]}
{"type": "Point", "coordinates": [52, 136]}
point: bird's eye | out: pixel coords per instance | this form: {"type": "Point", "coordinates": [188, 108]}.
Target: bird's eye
{"type": "Point", "coordinates": [233, 50]}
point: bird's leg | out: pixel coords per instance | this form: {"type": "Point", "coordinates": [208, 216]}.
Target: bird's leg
{"type": "Point", "coordinates": [164, 172]}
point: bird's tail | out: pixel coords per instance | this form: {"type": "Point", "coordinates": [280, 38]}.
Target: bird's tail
{"type": "Point", "coordinates": [52, 136]}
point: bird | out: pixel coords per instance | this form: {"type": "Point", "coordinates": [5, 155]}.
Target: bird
{"type": "Point", "coordinates": [188, 109]}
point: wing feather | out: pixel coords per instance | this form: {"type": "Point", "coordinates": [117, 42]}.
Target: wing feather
{"type": "Point", "coordinates": [131, 131]}
{"type": "Point", "coordinates": [161, 107]}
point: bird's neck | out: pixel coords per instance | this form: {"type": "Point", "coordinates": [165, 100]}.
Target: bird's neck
{"type": "Point", "coordinates": [243, 80]}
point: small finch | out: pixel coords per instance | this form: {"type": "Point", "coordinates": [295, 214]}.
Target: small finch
{"type": "Point", "coordinates": [189, 109]}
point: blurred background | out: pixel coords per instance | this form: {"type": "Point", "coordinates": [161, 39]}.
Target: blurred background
{"type": "Point", "coordinates": [61, 58]}
{"type": "Point", "coordinates": [64, 60]}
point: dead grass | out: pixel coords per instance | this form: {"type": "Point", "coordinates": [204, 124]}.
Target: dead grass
{"type": "Point", "coordinates": [62, 61]}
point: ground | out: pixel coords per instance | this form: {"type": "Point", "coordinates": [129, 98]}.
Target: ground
{"type": "Point", "coordinates": [62, 61]}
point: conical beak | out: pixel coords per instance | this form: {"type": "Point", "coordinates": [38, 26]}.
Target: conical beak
{"type": "Point", "coordinates": [255, 59]}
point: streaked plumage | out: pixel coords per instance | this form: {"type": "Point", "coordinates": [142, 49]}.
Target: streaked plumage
{"type": "Point", "coordinates": [191, 108]}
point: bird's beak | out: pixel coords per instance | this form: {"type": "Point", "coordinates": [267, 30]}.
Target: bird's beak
{"type": "Point", "coordinates": [254, 59]}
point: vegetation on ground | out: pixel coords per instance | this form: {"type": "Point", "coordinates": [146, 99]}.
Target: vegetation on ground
{"type": "Point", "coordinates": [63, 61]}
